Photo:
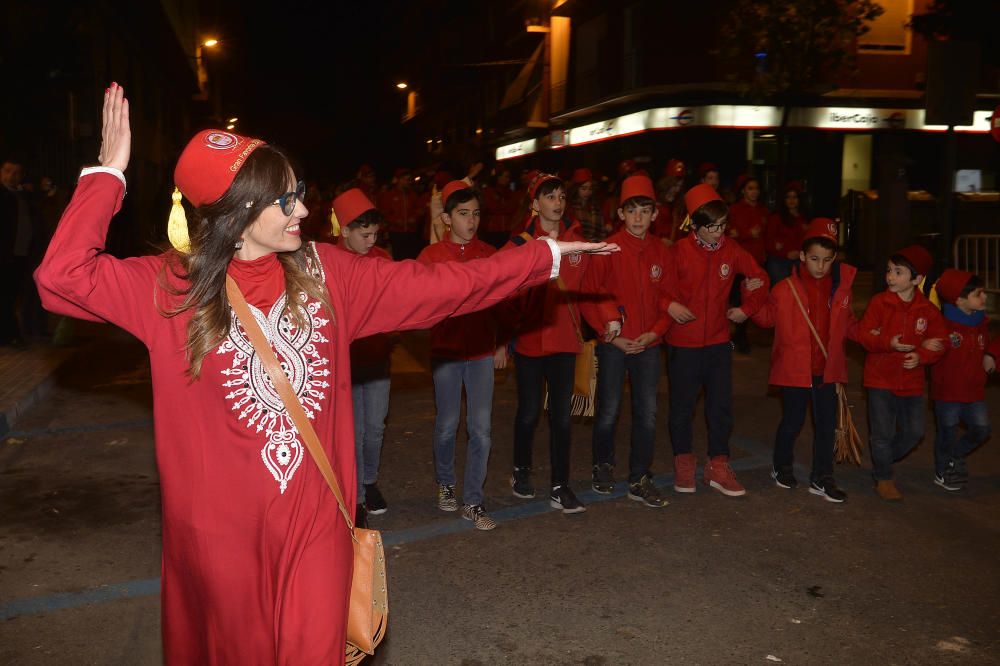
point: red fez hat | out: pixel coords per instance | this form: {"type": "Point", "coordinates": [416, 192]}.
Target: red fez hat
{"type": "Point", "coordinates": [705, 167]}
{"type": "Point", "coordinates": [674, 168]}
{"type": "Point", "coordinates": [210, 162]}
{"type": "Point", "coordinates": [582, 175]}
{"type": "Point", "coordinates": [537, 181]}
{"type": "Point", "coordinates": [451, 188]}
{"type": "Point", "coordinates": [350, 205]}
{"type": "Point", "coordinates": [636, 185]}
{"type": "Point", "coordinates": [823, 227]}
{"type": "Point", "coordinates": [698, 196]}
{"type": "Point", "coordinates": [919, 258]}
{"type": "Point", "coordinates": [742, 180]}
{"type": "Point", "coordinates": [625, 167]}
{"type": "Point", "coordinates": [952, 282]}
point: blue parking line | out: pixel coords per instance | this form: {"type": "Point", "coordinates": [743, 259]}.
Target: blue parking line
{"type": "Point", "coordinates": [151, 586]}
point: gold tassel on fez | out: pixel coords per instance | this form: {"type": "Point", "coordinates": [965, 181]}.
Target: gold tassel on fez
{"type": "Point", "coordinates": [177, 227]}
{"type": "Point", "coordinates": [334, 223]}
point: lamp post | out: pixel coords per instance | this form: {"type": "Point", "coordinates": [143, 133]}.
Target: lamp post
{"type": "Point", "coordinates": [200, 63]}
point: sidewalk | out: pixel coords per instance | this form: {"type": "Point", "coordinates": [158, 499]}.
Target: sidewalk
{"type": "Point", "coordinates": [27, 376]}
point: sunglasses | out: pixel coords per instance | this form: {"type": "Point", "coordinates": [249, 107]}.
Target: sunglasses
{"type": "Point", "coordinates": [288, 200]}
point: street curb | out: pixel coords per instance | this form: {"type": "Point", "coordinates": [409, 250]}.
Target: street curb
{"type": "Point", "coordinates": [38, 393]}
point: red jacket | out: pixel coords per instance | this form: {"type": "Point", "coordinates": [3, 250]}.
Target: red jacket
{"type": "Point", "coordinates": [887, 316]}
{"type": "Point", "coordinates": [959, 375]}
{"type": "Point", "coordinates": [792, 348]}
{"type": "Point", "coordinates": [401, 209]}
{"type": "Point", "coordinates": [701, 280]}
{"type": "Point", "coordinates": [500, 206]}
{"type": "Point", "coordinates": [746, 226]}
{"type": "Point", "coordinates": [472, 336]}
{"type": "Point", "coordinates": [781, 238]}
{"type": "Point", "coordinates": [540, 319]}
{"type": "Point", "coordinates": [632, 279]}
{"type": "Point", "coordinates": [369, 356]}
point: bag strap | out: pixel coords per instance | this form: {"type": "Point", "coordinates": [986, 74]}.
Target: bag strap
{"type": "Point", "coordinates": [288, 397]}
{"type": "Point", "coordinates": [795, 293]}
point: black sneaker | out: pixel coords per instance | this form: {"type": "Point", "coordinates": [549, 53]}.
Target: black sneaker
{"type": "Point", "coordinates": [784, 478]}
{"type": "Point", "coordinates": [520, 483]}
{"type": "Point", "coordinates": [361, 517]}
{"type": "Point", "coordinates": [603, 479]}
{"type": "Point", "coordinates": [828, 490]}
{"type": "Point", "coordinates": [947, 482]}
{"type": "Point", "coordinates": [644, 491]}
{"type": "Point", "coordinates": [374, 502]}
{"type": "Point", "coordinates": [961, 471]}
{"type": "Point", "coordinates": [563, 498]}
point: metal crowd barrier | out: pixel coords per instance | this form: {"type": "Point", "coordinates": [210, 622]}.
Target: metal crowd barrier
{"type": "Point", "coordinates": [979, 254]}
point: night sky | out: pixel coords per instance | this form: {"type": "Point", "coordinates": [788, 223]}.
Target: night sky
{"type": "Point", "coordinates": [319, 77]}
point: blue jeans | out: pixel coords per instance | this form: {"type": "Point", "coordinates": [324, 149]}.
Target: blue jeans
{"type": "Point", "coordinates": [533, 372]}
{"type": "Point", "coordinates": [886, 412]}
{"type": "Point", "coordinates": [795, 402]}
{"type": "Point", "coordinates": [477, 376]}
{"type": "Point", "coordinates": [689, 369]}
{"type": "Point", "coordinates": [371, 404]}
{"type": "Point", "coordinates": [644, 375]}
{"type": "Point", "coordinates": [947, 445]}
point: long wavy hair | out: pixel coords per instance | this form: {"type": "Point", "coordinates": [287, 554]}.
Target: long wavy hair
{"type": "Point", "coordinates": [214, 230]}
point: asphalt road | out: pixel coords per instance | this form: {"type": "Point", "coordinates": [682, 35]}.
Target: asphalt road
{"type": "Point", "coordinates": [777, 576]}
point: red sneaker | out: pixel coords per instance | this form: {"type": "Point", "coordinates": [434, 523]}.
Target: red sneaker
{"type": "Point", "coordinates": [685, 465]}
{"type": "Point", "coordinates": [719, 475]}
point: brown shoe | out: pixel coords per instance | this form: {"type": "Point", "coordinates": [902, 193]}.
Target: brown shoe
{"type": "Point", "coordinates": [887, 490]}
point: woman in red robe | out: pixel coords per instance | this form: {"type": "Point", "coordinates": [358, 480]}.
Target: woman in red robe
{"type": "Point", "coordinates": [256, 555]}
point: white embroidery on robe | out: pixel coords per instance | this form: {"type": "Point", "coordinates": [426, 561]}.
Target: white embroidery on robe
{"type": "Point", "coordinates": [253, 397]}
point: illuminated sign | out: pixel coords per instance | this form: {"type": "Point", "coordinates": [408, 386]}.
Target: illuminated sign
{"type": "Point", "coordinates": [518, 149]}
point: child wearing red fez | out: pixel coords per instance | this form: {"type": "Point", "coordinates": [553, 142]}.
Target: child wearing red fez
{"type": "Point", "coordinates": [545, 323]}
{"type": "Point", "coordinates": [703, 267]}
{"type": "Point", "coordinates": [901, 331]}
{"type": "Point", "coordinates": [463, 353]}
{"type": "Point", "coordinates": [256, 554]}
{"type": "Point", "coordinates": [370, 373]}
{"type": "Point", "coordinates": [806, 368]}
{"type": "Point", "coordinates": [784, 233]}
{"type": "Point", "coordinates": [957, 380]}
{"type": "Point", "coordinates": [583, 206]}
{"type": "Point", "coordinates": [631, 285]}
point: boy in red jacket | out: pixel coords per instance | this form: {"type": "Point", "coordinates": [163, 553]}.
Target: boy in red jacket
{"type": "Point", "coordinates": [370, 356]}
{"type": "Point", "coordinates": [808, 370]}
{"type": "Point", "coordinates": [957, 380]}
{"type": "Point", "coordinates": [902, 331]}
{"type": "Point", "coordinates": [462, 354]}
{"type": "Point", "coordinates": [702, 268]}
{"type": "Point", "coordinates": [631, 283]}
{"type": "Point", "coordinates": [546, 323]}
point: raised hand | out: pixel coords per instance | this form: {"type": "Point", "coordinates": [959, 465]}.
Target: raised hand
{"type": "Point", "coordinates": [116, 134]}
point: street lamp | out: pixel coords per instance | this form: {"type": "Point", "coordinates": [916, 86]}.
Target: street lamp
{"type": "Point", "coordinates": [401, 85]}
{"type": "Point", "coordinates": [202, 72]}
